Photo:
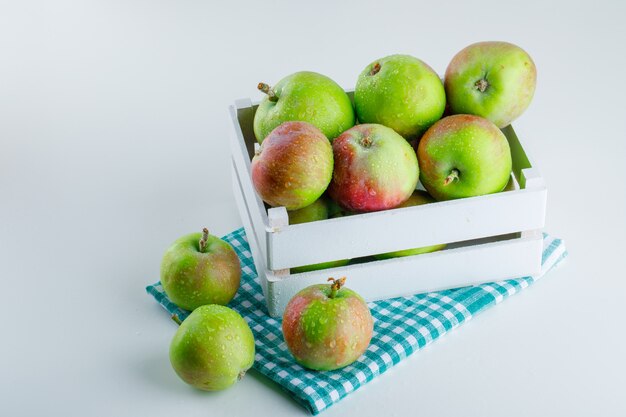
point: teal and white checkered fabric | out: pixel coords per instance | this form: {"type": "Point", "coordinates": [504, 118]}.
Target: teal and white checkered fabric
{"type": "Point", "coordinates": [401, 326]}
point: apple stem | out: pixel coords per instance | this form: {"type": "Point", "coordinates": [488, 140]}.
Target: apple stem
{"type": "Point", "coordinates": [375, 69]}
{"type": "Point", "coordinates": [265, 88]}
{"type": "Point", "coordinates": [336, 285]}
{"type": "Point", "coordinates": [454, 175]}
{"type": "Point", "coordinates": [176, 319]}
{"type": "Point", "coordinates": [204, 239]}
{"type": "Point", "coordinates": [481, 85]}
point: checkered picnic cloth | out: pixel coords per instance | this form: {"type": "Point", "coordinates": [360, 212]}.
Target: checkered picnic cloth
{"type": "Point", "coordinates": [401, 326]}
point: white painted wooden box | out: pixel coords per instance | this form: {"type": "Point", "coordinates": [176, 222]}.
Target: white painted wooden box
{"type": "Point", "coordinates": [489, 238]}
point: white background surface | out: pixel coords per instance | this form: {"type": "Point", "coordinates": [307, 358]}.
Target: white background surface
{"type": "Point", "coordinates": [113, 142]}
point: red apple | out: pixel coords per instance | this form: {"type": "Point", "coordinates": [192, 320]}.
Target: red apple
{"type": "Point", "coordinates": [293, 166]}
{"type": "Point", "coordinates": [375, 169]}
{"type": "Point", "coordinates": [326, 326]}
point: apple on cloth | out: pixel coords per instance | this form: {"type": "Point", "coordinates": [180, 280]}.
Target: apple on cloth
{"type": "Point", "coordinates": [402, 326]}
{"type": "Point", "coordinates": [213, 348]}
{"type": "Point", "coordinates": [327, 326]}
{"type": "Point", "coordinates": [199, 269]}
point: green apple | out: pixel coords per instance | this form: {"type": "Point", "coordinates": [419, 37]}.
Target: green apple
{"type": "Point", "coordinates": [319, 210]}
{"type": "Point", "coordinates": [200, 269]}
{"type": "Point", "coordinates": [327, 327]}
{"type": "Point", "coordinates": [464, 156]}
{"type": "Point", "coordinates": [308, 97]}
{"type": "Point", "coordinates": [321, 265]}
{"type": "Point", "coordinates": [311, 213]}
{"type": "Point", "coordinates": [335, 210]}
{"type": "Point", "coordinates": [495, 80]}
{"type": "Point", "coordinates": [418, 198]}
{"type": "Point", "coordinates": [400, 92]}
{"type": "Point", "coordinates": [213, 348]}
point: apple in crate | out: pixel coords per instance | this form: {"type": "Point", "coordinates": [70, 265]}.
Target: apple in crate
{"type": "Point", "coordinates": [375, 169]}
{"type": "Point", "coordinates": [311, 213]}
{"type": "Point", "coordinates": [200, 269]}
{"type": "Point", "coordinates": [304, 96]}
{"type": "Point", "coordinates": [495, 80]}
{"type": "Point", "coordinates": [418, 198]}
{"type": "Point", "coordinates": [293, 166]}
{"type": "Point", "coordinates": [327, 326]}
{"type": "Point", "coordinates": [400, 92]}
{"type": "Point", "coordinates": [464, 156]}
{"type": "Point", "coordinates": [213, 348]}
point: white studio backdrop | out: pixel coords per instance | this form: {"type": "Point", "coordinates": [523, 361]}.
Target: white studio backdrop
{"type": "Point", "coordinates": [114, 142]}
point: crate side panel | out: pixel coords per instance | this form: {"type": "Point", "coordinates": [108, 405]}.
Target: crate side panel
{"type": "Point", "coordinates": [423, 273]}
{"type": "Point", "coordinates": [253, 241]}
{"type": "Point", "coordinates": [411, 227]}
{"type": "Point", "coordinates": [241, 164]}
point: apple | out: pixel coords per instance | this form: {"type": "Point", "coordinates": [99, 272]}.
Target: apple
{"type": "Point", "coordinates": [200, 269]}
{"type": "Point", "coordinates": [495, 80]}
{"type": "Point", "coordinates": [293, 166]}
{"type": "Point", "coordinates": [213, 348]}
{"type": "Point", "coordinates": [375, 169]}
{"type": "Point", "coordinates": [304, 96]}
{"type": "Point", "coordinates": [318, 210]}
{"type": "Point", "coordinates": [334, 209]}
{"type": "Point", "coordinates": [400, 92]}
{"type": "Point", "coordinates": [317, 267]}
{"type": "Point", "coordinates": [327, 327]}
{"type": "Point", "coordinates": [464, 156]}
{"type": "Point", "coordinates": [418, 198]}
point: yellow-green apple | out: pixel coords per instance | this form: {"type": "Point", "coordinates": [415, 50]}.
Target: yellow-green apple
{"type": "Point", "coordinates": [213, 348]}
{"type": "Point", "coordinates": [293, 166]}
{"type": "Point", "coordinates": [304, 96]}
{"type": "Point", "coordinates": [327, 326]}
{"type": "Point", "coordinates": [200, 269]}
{"type": "Point", "coordinates": [375, 169]}
{"type": "Point", "coordinates": [400, 92]}
{"type": "Point", "coordinates": [464, 156]}
{"type": "Point", "coordinates": [418, 198]}
{"type": "Point", "coordinates": [318, 210]}
{"type": "Point", "coordinates": [495, 80]}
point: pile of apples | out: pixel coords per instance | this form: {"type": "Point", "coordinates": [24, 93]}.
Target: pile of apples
{"type": "Point", "coordinates": [325, 326]}
{"type": "Point", "coordinates": [317, 162]}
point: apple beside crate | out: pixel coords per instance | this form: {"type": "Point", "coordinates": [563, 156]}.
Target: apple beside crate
{"type": "Point", "coordinates": [491, 237]}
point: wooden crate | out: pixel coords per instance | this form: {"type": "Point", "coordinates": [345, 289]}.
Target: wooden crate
{"type": "Point", "coordinates": [490, 237]}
